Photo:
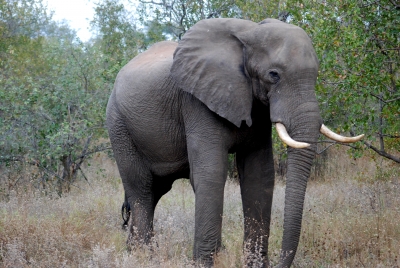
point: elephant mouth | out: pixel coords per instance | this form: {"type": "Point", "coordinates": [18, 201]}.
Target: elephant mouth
{"type": "Point", "coordinates": [285, 137]}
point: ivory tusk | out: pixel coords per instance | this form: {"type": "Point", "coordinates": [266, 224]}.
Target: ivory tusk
{"type": "Point", "coordinates": [284, 136]}
{"type": "Point", "coordinates": [336, 137]}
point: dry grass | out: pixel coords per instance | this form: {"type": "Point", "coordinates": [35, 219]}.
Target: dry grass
{"type": "Point", "coordinates": [348, 222]}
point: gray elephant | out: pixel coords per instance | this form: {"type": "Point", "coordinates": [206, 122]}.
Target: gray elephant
{"type": "Point", "coordinates": [178, 110]}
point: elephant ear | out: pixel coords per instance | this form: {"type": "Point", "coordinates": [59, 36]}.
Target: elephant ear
{"type": "Point", "coordinates": [209, 64]}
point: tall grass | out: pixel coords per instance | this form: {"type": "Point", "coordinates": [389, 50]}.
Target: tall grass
{"type": "Point", "coordinates": [349, 221]}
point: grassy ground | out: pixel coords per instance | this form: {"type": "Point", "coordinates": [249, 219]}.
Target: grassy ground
{"type": "Point", "coordinates": [351, 219]}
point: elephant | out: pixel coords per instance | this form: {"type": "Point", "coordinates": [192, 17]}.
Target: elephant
{"type": "Point", "coordinates": [178, 109]}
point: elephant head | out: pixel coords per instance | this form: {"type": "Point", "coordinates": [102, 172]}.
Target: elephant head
{"type": "Point", "coordinates": [229, 63]}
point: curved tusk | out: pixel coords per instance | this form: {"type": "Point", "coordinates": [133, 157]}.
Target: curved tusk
{"type": "Point", "coordinates": [336, 137]}
{"type": "Point", "coordinates": [284, 136]}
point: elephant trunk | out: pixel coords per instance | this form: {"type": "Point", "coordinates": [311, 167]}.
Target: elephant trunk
{"type": "Point", "coordinates": [304, 127]}
{"type": "Point", "coordinates": [299, 166]}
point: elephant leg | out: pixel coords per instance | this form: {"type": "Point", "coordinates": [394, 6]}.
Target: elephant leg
{"type": "Point", "coordinates": [208, 176]}
{"type": "Point", "coordinates": [208, 139]}
{"type": "Point", "coordinates": [138, 183]}
{"type": "Point", "coordinates": [256, 173]}
{"type": "Point", "coordinates": [208, 171]}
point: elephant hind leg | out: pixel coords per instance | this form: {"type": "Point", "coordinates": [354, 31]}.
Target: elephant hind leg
{"type": "Point", "coordinates": [137, 181]}
{"type": "Point", "coordinates": [138, 188]}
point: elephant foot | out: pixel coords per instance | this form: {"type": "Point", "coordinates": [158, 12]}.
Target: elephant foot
{"type": "Point", "coordinates": [205, 262]}
{"type": "Point", "coordinates": [138, 240]}
{"type": "Point", "coordinates": [257, 262]}
{"type": "Point", "coordinates": [134, 245]}
{"type": "Point", "coordinates": [207, 259]}
{"type": "Point", "coordinates": [256, 256]}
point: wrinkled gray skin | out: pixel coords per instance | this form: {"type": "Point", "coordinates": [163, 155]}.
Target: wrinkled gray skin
{"type": "Point", "coordinates": [176, 111]}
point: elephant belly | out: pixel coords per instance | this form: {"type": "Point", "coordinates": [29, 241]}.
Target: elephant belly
{"type": "Point", "coordinates": [177, 169]}
{"type": "Point", "coordinates": [165, 158]}
{"type": "Point", "coordinates": [159, 137]}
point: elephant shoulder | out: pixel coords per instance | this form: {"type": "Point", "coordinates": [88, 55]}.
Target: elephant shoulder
{"type": "Point", "coordinates": [144, 80]}
{"type": "Point", "coordinates": [158, 54]}
{"type": "Point", "coordinates": [146, 70]}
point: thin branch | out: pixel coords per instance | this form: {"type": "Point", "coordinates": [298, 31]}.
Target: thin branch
{"type": "Point", "coordinates": [326, 148]}
{"type": "Point", "coordinates": [392, 100]}
{"type": "Point", "coordinates": [97, 150]}
{"type": "Point", "coordinates": [381, 106]}
{"type": "Point", "coordinates": [374, 50]}
{"type": "Point", "coordinates": [370, 4]}
{"type": "Point", "coordinates": [388, 136]}
{"type": "Point", "coordinates": [379, 97]}
{"type": "Point", "coordinates": [82, 156]}
{"type": "Point", "coordinates": [333, 143]}
{"type": "Point", "coordinates": [37, 163]}
{"type": "Point", "coordinates": [332, 83]}
{"type": "Point", "coordinates": [182, 19]}
{"type": "Point", "coordinates": [340, 143]}
{"type": "Point", "coordinates": [11, 159]}
{"type": "Point", "coordinates": [213, 14]}
{"type": "Point", "coordinates": [152, 2]}
{"type": "Point", "coordinates": [84, 75]}
{"type": "Point", "coordinates": [382, 153]}
{"type": "Point", "coordinates": [396, 5]}
{"type": "Point", "coordinates": [84, 176]}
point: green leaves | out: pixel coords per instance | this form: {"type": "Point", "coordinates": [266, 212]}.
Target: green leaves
{"type": "Point", "coordinates": [357, 43]}
{"type": "Point", "coordinates": [54, 88]}
{"type": "Point", "coordinates": [118, 40]}
{"type": "Point", "coordinates": [171, 19]}
{"type": "Point", "coordinates": [53, 97]}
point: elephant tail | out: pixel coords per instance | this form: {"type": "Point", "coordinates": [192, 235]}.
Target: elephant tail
{"type": "Point", "coordinates": [126, 214]}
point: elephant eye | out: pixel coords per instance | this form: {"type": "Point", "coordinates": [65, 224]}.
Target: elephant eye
{"type": "Point", "coordinates": [274, 76]}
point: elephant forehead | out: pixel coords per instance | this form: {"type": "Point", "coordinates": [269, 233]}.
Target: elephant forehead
{"type": "Point", "coordinates": [281, 30]}
{"type": "Point", "coordinates": [299, 54]}
{"type": "Point", "coordinates": [286, 51]}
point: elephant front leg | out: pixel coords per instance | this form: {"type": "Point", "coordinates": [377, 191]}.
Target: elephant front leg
{"type": "Point", "coordinates": [208, 176]}
{"type": "Point", "coordinates": [256, 173]}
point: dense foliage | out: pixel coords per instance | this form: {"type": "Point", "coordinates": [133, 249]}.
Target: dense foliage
{"type": "Point", "coordinates": [54, 88]}
{"type": "Point", "coordinates": [52, 97]}
{"type": "Point", "coordinates": [358, 46]}
{"type": "Point", "coordinates": [357, 42]}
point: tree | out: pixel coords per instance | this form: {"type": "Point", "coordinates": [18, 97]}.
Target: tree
{"type": "Point", "coordinates": [358, 46]}
{"type": "Point", "coordinates": [176, 17]}
{"type": "Point", "coordinates": [117, 36]}
{"type": "Point", "coordinates": [258, 10]}
{"type": "Point", "coordinates": [52, 97]}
